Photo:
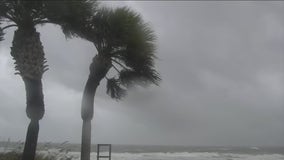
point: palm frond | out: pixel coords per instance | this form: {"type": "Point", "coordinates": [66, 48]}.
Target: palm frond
{"type": "Point", "coordinates": [7, 9]}
{"type": "Point", "coordinates": [130, 41]}
{"type": "Point", "coordinates": [134, 38]}
{"type": "Point", "coordinates": [1, 34]}
{"type": "Point", "coordinates": [22, 12]}
{"type": "Point", "coordinates": [114, 89]}
{"type": "Point", "coordinates": [129, 78]}
{"type": "Point", "coordinates": [72, 16]}
{"type": "Point", "coordinates": [3, 9]}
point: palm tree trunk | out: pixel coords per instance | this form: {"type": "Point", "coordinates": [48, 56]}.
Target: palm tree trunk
{"type": "Point", "coordinates": [27, 51]}
{"type": "Point", "coordinates": [35, 111]}
{"type": "Point", "coordinates": [87, 111]}
{"type": "Point", "coordinates": [98, 69]}
{"type": "Point", "coordinates": [86, 140]}
{"type": "Point", "coordinates": [31, 141]}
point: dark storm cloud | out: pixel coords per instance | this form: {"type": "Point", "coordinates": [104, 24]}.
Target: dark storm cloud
{"type": "Point", "coordinates": [222, 65]}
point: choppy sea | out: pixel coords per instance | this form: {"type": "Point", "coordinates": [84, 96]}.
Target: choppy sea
{"type": "Point", "coordinates": [123, 152]}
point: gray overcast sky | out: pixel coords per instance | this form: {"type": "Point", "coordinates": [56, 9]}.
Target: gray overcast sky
{"type": "Point", "coordinates": [222, 65]}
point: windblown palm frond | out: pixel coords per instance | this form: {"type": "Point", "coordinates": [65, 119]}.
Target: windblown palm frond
{"type": "Point", "coordinates": [66, 13]}
{"type": "Point", "coordinates": [24, 13]}
{"type": "Point", "coordinates": [131, 45]}
{"type": "Point", "coordinates": [114, 89]}
{"type": "Point", "coordinates": [1, 34]}
{"type": "Point", "coordinates": [129, 77]}
{"type": "Point", "coordinates": [72, 16]}
{"type": "Point", "coordinates": [136, 49]}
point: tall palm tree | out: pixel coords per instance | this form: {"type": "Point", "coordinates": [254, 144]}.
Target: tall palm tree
{"type": "Point", "coordinates": [28, 53]}
{"type": "Point", "coordinates": [125, 44]}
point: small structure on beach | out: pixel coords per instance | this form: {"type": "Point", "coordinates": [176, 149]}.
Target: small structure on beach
{"type": "Point", "coordinates": [104, 148]}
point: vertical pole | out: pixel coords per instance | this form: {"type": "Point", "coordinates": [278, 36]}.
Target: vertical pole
{"type": "Point", "coordinates": [98, 151]}
{"type": "Point", "coordinates": [110, 152]}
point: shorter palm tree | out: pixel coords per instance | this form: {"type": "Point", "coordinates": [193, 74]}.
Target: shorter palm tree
{"type": "Point", "coordinates": [28, 53]}
{"type": "Point", "coordinates": [125, 44]}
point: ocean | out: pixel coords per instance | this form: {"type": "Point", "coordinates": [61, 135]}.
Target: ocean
{"type": "Point", "coordinates": [131, 152]}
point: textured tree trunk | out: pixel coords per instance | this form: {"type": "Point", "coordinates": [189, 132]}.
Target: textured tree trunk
{"type": "Point", "coordinates": [28, 54]}
{"type": "Point", "coordinates": [98, 69]}
{"type": "Point", "coordinates": [31, 141]}
{"type": "Point", "coordinates": [35, 111]}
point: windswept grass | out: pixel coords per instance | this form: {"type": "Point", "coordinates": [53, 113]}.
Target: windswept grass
{"type": "Point", "coordinates": [47, 152]}
{"type": "Point", "coordinates": [17, 156]}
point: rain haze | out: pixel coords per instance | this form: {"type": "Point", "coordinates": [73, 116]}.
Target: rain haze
{"type": "Point", "coordinates": [222, 70]}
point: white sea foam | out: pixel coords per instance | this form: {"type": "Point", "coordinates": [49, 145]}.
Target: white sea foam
{"type": "Point", "coordinates": [184, 156]}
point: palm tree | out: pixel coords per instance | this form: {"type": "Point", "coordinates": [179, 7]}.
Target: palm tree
{"type": "Point", "coordinates": [28, 53]}
{"type": "Point", "coordinates": [125, 44]}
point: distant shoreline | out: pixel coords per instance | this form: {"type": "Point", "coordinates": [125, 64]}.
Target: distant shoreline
{"type": "Point", "coordinates": [73, 147]}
